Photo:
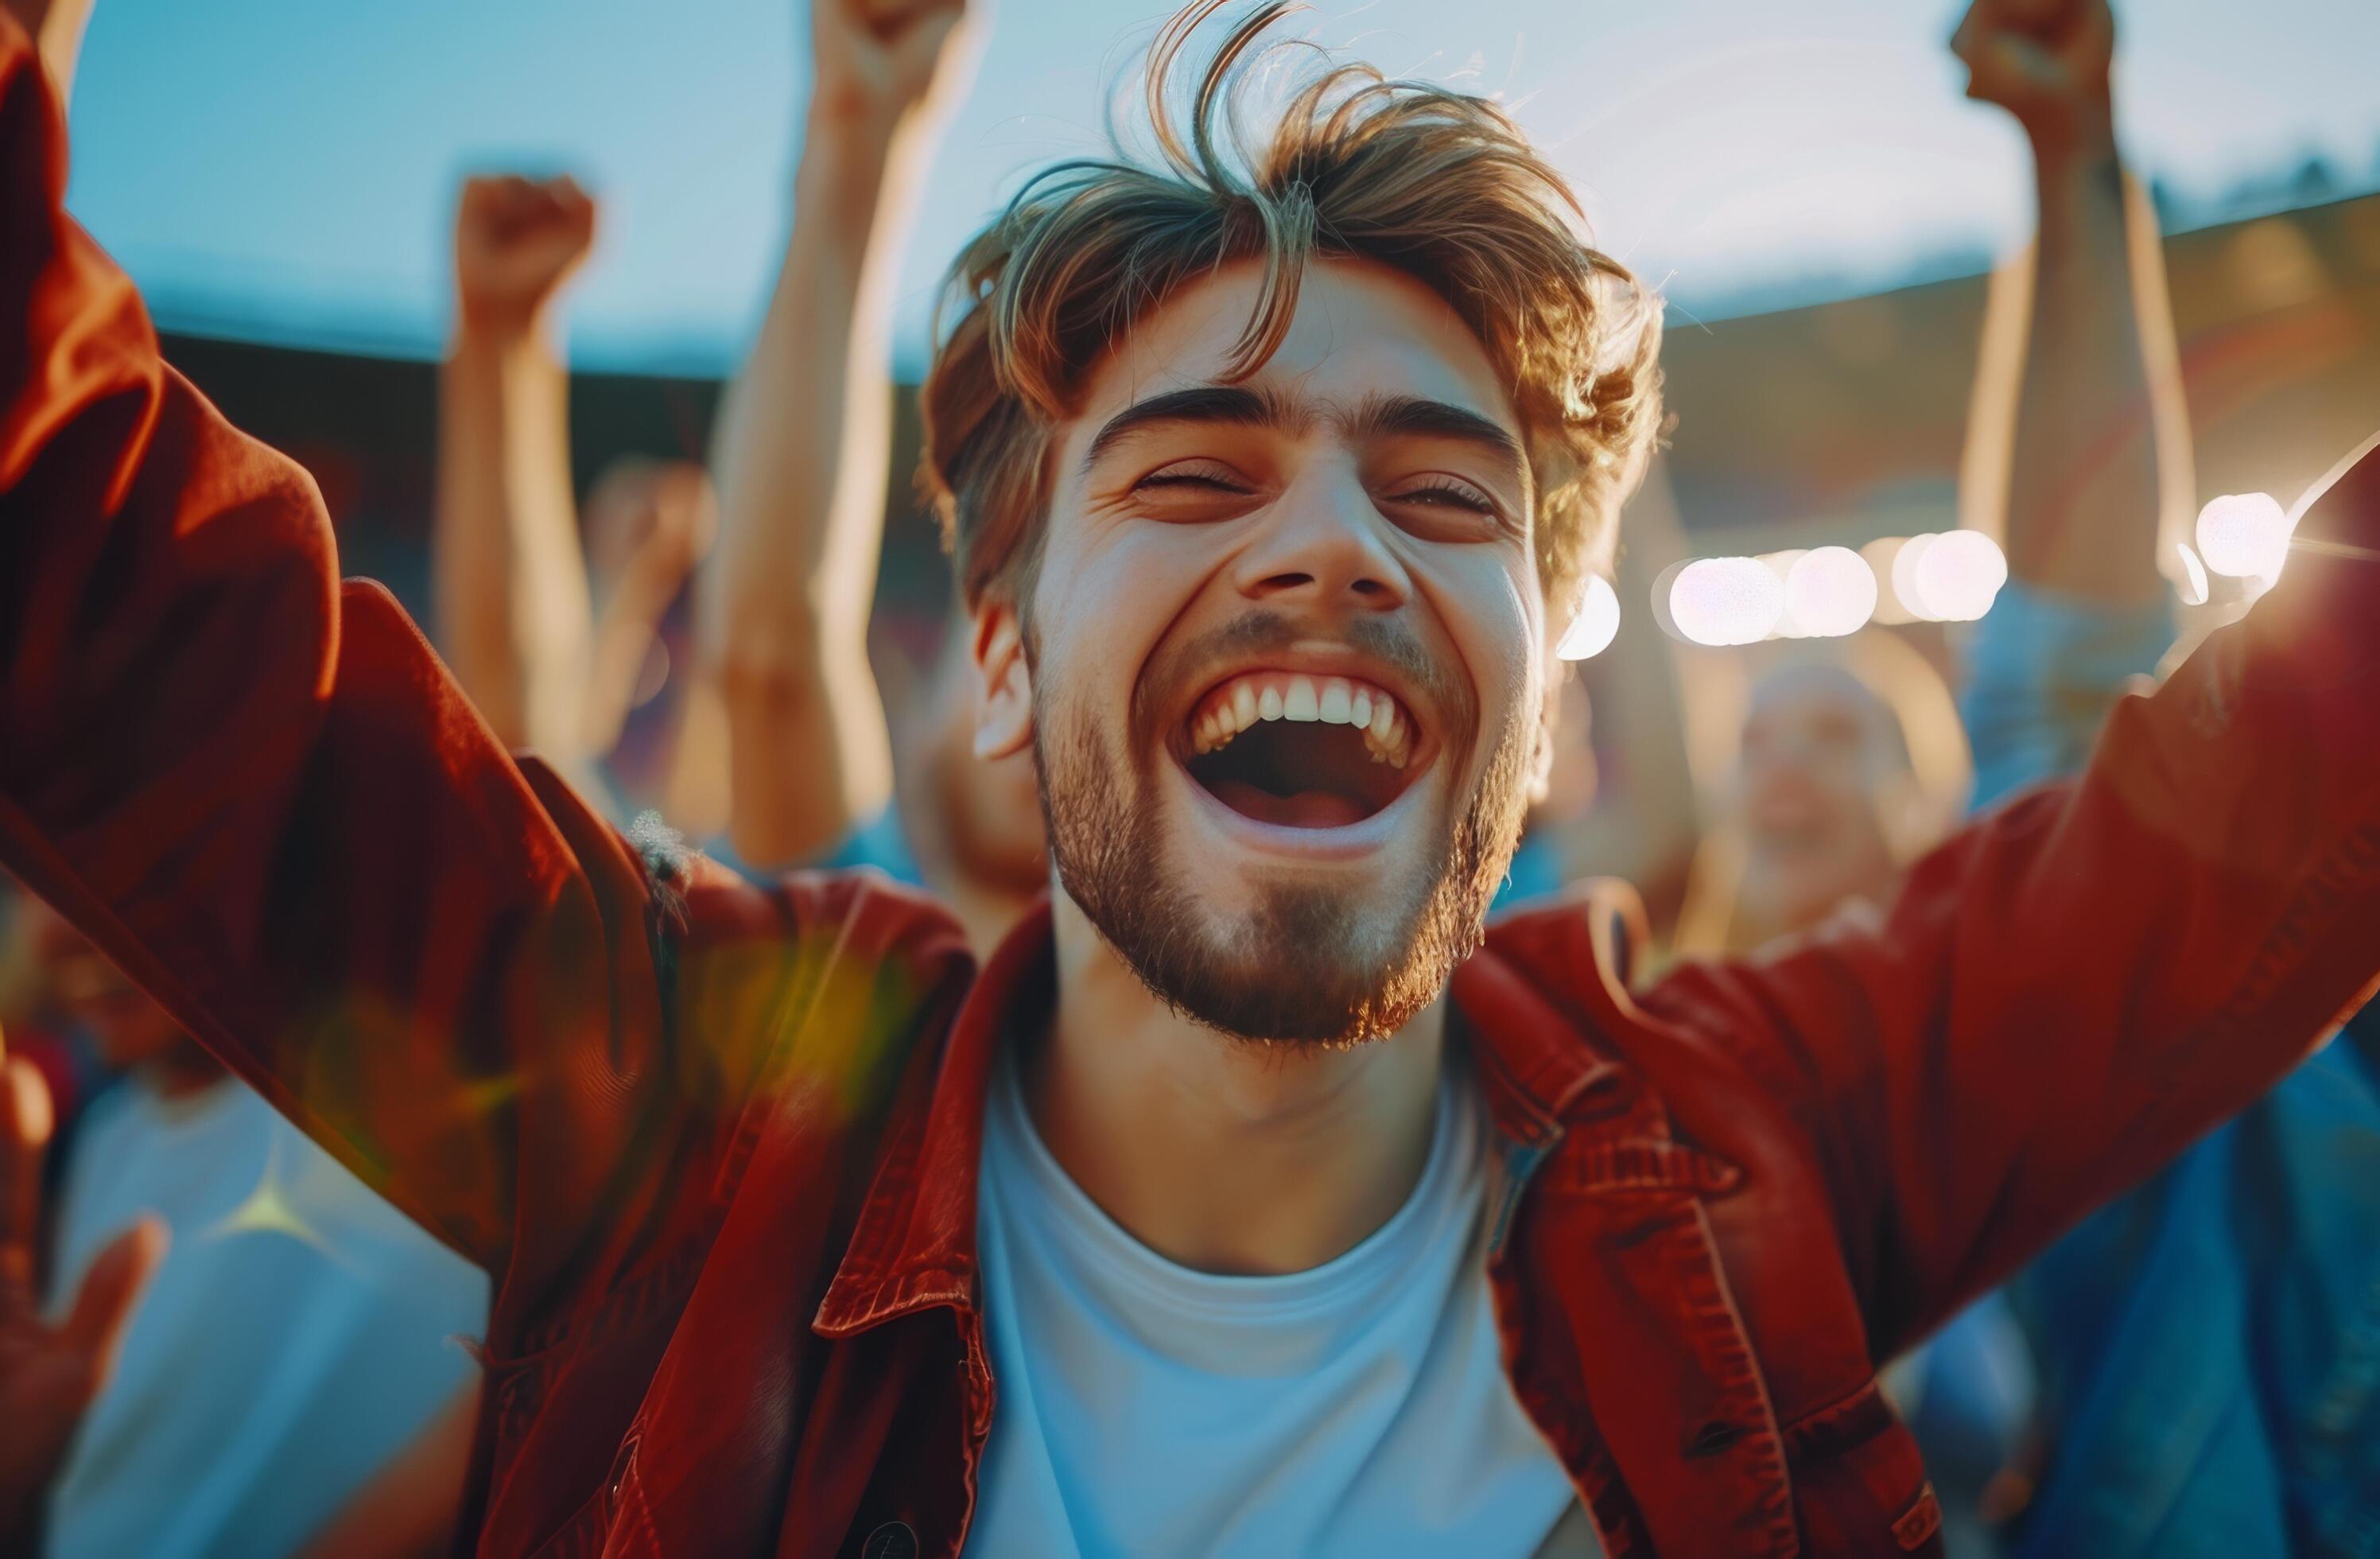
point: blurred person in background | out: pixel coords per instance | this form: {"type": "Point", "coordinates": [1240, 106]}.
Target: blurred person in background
{"type": "Point", "coordinates": [1851, 764]}
{"type": "Point", "coordinates": [821, 772]}
{"type": "Point", "coordinates": [2205, 1344]}
{"type": "Point", "coordinates": [723, 1145]}
{"type": "Point", "coordinates": [549, 634]}
{"type": "Point", "coordinates": [236, 1336]}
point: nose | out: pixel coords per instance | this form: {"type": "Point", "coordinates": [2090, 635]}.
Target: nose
{"type": "Point", "coordinates": [1324, 544]}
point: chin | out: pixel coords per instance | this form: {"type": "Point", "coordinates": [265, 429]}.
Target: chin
{"type": "Point", "coordinates": [1314, 935]}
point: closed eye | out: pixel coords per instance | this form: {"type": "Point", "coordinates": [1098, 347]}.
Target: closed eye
{"type": "Point", "coordinates": [1195, 476]}
{"type": "Point", "coordinates": [1445, 491]}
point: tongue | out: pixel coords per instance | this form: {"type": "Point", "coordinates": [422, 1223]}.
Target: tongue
{"type": "Point", "coordinates": [1308, 809]}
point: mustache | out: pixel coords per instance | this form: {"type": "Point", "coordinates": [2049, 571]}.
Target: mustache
{"type": "Point", "coordinates": [1256, 632]}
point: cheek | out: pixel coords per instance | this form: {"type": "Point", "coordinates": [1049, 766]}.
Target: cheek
{"type": "Point", "coordinates": [1108, 602]}
{"type": "Point", "coordinates": [1488, 604]}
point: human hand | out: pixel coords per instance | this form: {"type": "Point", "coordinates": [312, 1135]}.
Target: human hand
{"type": "Point", "coordinates": [2047, 62]}
{"type": "Point", "coordinates": [50, 1373]}
{"type": "Point", "coordinates": [651, 521]}
{"type": "Point", "coordinates": [516, 241]}
{"type": "Point", "coordinates": [879, 64]}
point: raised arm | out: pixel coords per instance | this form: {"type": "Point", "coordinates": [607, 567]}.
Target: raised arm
{"type": "Point", "coordinates": [514, 617]}
{"type": "Point", "coordinates": [260, 795]}
{"type": "Point", "coordinates": [804, 442]}
{"type": "Point", "coordinates": [2097, 442]}
{"type": "Point", "coordinates": [2071, 991]}
{"type": "Point", "coordinates": [2083, 489]}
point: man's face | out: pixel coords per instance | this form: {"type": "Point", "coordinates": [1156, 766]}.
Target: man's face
{"type": "Point", "coordinates": [1284, 670]}
{"type": "Point", "coordinates": [1819, 755]}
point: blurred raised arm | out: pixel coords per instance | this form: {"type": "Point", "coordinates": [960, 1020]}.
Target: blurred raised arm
{"type": "Point", "coordinates": [514, 617]}
{"type": "Point", "coordinates": [804, 440]}
{"type": "Point", "coordinates": [2096, 444]}
{"type": "Point", "coordinates": [2101, 385]}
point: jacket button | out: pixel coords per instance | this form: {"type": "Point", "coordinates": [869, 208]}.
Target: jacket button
{"type": "Point", "coordinates": [892, 1540]}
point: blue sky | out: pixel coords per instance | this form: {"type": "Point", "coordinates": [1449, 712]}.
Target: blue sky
{"type": "Point", "coordinates": [283, 168]}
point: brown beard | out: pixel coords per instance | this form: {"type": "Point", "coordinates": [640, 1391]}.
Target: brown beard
{"type": "Point", "coordinates": [1310, 966]}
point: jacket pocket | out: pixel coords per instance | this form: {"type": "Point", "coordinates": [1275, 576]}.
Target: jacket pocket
{"type": "Point", "coordinates": [1859, 1483]}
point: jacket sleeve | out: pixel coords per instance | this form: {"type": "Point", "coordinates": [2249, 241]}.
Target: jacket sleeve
{"type": "Point", "coordinates": [258, 790]}
{"type": "Point", "coordinates": [2072, 990]}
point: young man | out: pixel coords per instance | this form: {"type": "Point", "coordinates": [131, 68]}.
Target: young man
{"type": "Point", "coordinates": [776, 1184]}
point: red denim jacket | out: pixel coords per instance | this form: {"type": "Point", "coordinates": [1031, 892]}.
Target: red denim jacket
{"type": "Point", "coordinates": [717, 1145]}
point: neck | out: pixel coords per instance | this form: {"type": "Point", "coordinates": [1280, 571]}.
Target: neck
{"type": "Point", "coordinates": [1221, 1154]}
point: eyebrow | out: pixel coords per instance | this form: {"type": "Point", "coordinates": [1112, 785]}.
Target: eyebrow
{"type": "Point", "coordinates": [1230, 404]}
{"type": "Point", "coordinates": [1413, 417]}
{"type": "Point", "coordinates": [1375, 417]}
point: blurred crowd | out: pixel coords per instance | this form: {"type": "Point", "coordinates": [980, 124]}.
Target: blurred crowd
{"type": "Point", "coordinates": [287, 1364]}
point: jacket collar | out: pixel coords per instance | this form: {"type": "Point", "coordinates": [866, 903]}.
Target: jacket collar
{"type": "Point", "coordinates": [1530, 1001]}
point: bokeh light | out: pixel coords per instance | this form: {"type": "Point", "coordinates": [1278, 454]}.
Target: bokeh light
{"type": "Point", "coordinates": [1726, 600]}
{"type": "Point", "coordinates": [1904, 575]}
{"type": "Point", "coordinates": [1597, 624]}
{"type": "Point", "coordinates": [1829, 592]}
{"type": "Point", "coordinates": [2245, 535]}
{"type": "Point", "coordinates": [1957, 578]}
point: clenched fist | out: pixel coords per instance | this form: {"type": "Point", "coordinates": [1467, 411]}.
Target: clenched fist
{"type": "Point", "coordinates": [878, 62]}
{"type": "Point", "coordinates": [2045, 62]}
{"type": "Point", "coordinates": [516, 240]}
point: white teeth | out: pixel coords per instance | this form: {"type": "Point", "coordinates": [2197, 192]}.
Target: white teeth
{"type": "Point", "coordinates": [1388, 732]}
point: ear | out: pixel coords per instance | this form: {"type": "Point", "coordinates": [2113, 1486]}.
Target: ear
{"type": "Point", "coordinates": [1004, 722]}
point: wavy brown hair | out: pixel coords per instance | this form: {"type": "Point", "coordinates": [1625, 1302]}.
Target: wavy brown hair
{"type": "Point", "coordinates": [1433, 183]}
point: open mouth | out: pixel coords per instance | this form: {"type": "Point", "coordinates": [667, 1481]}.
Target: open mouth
{"type": "Point", "coordinates": [1301, 751]}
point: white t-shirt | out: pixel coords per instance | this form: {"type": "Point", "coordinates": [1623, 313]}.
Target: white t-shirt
{"type": "Point", "coordinates": [299, 1333]}
{"type": "Point", "coordinates": [1360, 1407]}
